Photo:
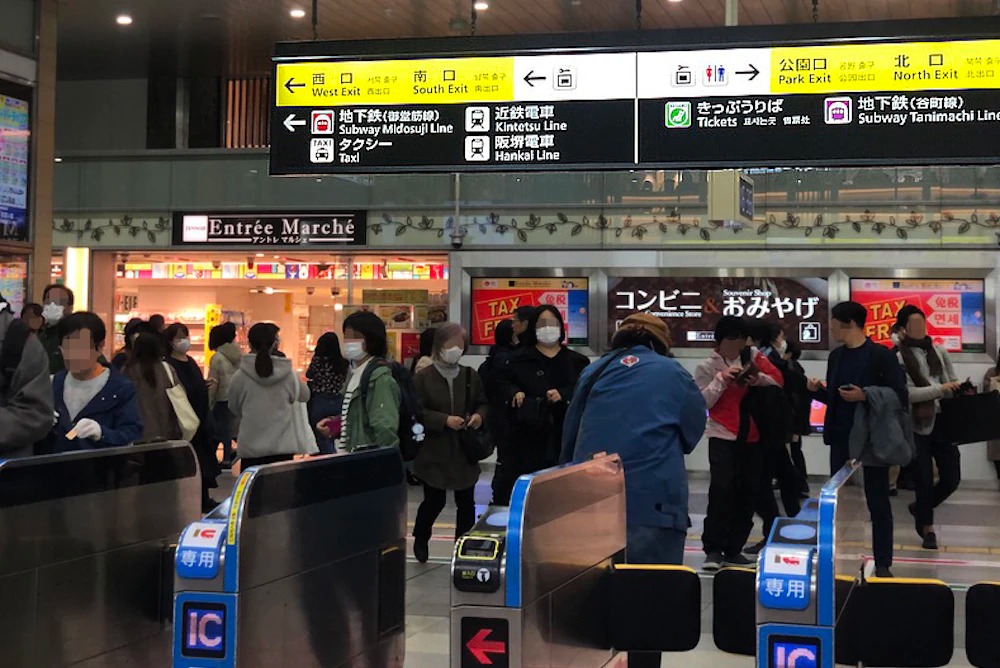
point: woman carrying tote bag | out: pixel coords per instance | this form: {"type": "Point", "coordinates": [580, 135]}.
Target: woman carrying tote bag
{"type": "Point", "coordinates": [269, 402]}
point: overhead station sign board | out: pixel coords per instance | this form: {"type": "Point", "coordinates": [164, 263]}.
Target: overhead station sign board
{"type": "Point", "coordinates": [858, 103]}
{"type": "Point", "coordinates": [513, 112]}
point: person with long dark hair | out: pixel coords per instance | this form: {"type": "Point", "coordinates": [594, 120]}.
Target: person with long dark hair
{"type": "Point", "coordinates": [225, 361]}
{"type": "Point", "coordinates": [133, 328]}
{"type": "Point", "coordinates": [31, 313]}
{"type": "Point", "coordinates": [193, 380]}
{"type": "Point", "coordinates": [152, 378]}
{"type": "Point", "coordinates": [425, 358]}
{"type": "Point", "coordinates": [327, 375]}
{"type": "Point", "coordinates": [538, 383]}
{"type": "Point", "coordinates": [930, 377]}
{"type": "Point", "coordinates": [262, 396]}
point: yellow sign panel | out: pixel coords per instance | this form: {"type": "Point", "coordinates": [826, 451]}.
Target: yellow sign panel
{"type": "Point", "coordinates": [428, 81]}
{"type": "Point", "coordinates": [902, 67]}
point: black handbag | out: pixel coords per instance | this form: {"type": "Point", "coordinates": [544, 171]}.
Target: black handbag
{"type": "Point", "coordinates": [969, 419]}
{"type": "Point", "coordinates": [476, 443]}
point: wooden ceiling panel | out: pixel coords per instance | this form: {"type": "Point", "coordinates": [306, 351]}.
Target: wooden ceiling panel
{"type": "Point", "coordinates": [244, 31]}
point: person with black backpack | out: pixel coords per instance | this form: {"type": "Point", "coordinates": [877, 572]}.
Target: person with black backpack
{"type": "Point", "coordinates": [26, 400]}
{"type": "Point", "coordinates": [372, 397]}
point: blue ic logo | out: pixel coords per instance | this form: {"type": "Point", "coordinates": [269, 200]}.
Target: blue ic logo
{"type": "Point", "coordinates": [204, 630]}
{"type": "Point", "coordinates": [789, 653]}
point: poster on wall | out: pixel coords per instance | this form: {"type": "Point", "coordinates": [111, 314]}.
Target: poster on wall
{"type": "Point", "coordinates": [955, 309]}
{"type": "Point", "coordinates": [692, 306]}
{"type": "Point", "coordinates": [13, 284]}
{"type": "Point", "coordinates": [15, 146]}
{"type": "Point", "coordinates": [497, 299]}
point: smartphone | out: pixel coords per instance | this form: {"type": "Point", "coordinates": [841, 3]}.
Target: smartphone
{"type": "Point", "coordinates": [748, 370]}
{"type": "Point", "coordinates": [846, 388]}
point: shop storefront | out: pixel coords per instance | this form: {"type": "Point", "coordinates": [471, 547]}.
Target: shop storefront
{"type": "Point", "coordinates": [305, 294]}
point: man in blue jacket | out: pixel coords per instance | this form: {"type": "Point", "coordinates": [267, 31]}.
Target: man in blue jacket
{"type": "Point", "coordinates": [645, 407]}
{"type": "Point", "coordinates": [95, 406]}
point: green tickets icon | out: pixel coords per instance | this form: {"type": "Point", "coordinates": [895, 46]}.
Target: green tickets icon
{"type": "Point", "coordinates": [678, 115]}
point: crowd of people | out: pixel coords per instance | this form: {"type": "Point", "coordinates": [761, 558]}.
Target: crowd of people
{"type": "Point", "coordinates": [538, 402]}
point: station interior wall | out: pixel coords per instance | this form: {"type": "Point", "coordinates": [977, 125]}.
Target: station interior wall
{"type": "Point", "coordinates": [975, 466]}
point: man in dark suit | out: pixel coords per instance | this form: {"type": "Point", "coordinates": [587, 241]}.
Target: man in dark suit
{"type": "Point", "coordinates": [857, 364]}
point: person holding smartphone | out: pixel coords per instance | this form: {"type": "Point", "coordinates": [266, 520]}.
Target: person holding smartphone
{"type": "Point", "coordinates": [735, 454]}
{"type": "Point", "coordinates": [858, 364]}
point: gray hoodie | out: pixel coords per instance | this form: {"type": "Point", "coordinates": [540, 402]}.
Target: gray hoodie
{"type": "Point", "coordinates": [224, 364]}
{"type": "Point", "coordinates": [26, 407]}
{"type": "Point", "coordinates": [265, 408]}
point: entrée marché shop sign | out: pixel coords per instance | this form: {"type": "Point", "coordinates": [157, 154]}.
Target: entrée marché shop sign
{"type": "Point", "coordinates": [282, 229]}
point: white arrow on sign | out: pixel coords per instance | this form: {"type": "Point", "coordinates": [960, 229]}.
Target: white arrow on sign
{"type": "Point", "coordinates": [291, 122]}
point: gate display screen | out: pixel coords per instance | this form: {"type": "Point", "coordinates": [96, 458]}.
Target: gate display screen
{"type": "Point", "coordinates": [692, 306]}
{"type": "Point", "coordinates": [204, 630]}
{"type": "Point", "coordinates": [338, 109]}
{"type": "Point", "coordinates": [497, 299]}
{"type": "Point", "coordinates": [794, 652]}
{"type": "Point", "coordinates": [955, 309]}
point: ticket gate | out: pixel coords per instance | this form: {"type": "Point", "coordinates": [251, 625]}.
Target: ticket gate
{"type": "Point", "coordinates": [305, 566]}
{"type": "Point", "coordinates": [531, 583]}
{"type": "Point", "coordinates": [817, 604]}
{"type": "Point", "coordinates": [81, 542]}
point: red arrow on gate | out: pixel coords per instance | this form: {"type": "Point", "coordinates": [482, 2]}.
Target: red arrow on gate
{"type": "Point", "coordinates": [482, 648]}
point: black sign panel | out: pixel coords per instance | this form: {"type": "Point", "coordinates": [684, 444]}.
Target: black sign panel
{"type": "Point", "coordinates": [485, 642]}
{"type": "Point", "coordinates": [733, 98]}
{"type": "Point", "coordinates": [340, 228]}
{"type": "Point", "coordinates": [922, 127]}
{"type": "Point", "coordinates": [512, 136]}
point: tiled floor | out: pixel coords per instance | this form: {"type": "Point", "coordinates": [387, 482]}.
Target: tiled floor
{"type": "Point", "coordinates": [968, 529]}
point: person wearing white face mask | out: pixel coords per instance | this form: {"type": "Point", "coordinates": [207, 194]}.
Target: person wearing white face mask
{"type": "Point", "coordinates": [453, 400]}
{"type": "Point", "coordinates": [57, 303]}
{"type": "Point", "coordinates": [192, 378]}
{"type": "Point", "coordinates": [376, 422]}
{"type": "Point", "coordinates": [536, 384]}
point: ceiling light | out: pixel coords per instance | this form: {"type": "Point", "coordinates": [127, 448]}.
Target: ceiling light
{"type": "Point", "coordinates": [297, 13]}
{"type": "Point", "coordinates": [58, 159]}
{"type": "Point", "coordinates": [260, 255]}
{"type": "Point", "coordinates": [269, 290]}
{"type": "Point", "coordinates": [123, 20]}
{"type": "Point", "coordinates": [673, 0]}
{"type": "Point", "coordinates": [481, 6]}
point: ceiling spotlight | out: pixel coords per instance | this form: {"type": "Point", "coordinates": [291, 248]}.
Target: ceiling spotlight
{"type": "Point", "coordinates": [673, 0]}
{"type": "Point", "coordinates": [123, 20]}
{"type": "Point", "coordinates": [58, 159]}
{"type": "Point", "coordinates": [481, 6]}
{"type": "Point", "coordinates": [297, 13]}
